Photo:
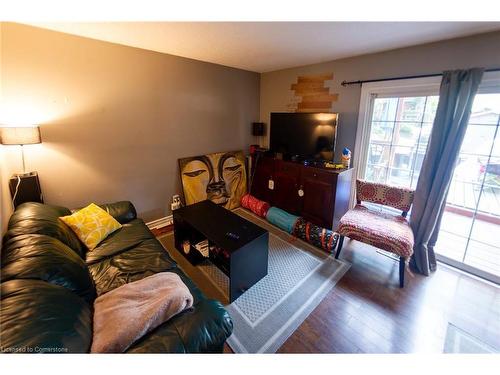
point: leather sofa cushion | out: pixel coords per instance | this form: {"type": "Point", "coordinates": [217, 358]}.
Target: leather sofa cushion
{"type": "Point", "coordinates": [40, 317]}
{"type": "Point", "coordinates": [123, 211]}
{"type": "Point", "coordinates": [130, 254]}
{"type": "Point", "coordinates": [40, 257]}
{"type": "Point", "coordinates": [201, 329]}
{"type": "Point", "coordinates": [38, 218]}
{"type": "Point", "coordinates": [129, 236]}
{"type": "Point", "coordinates": [141, 261]}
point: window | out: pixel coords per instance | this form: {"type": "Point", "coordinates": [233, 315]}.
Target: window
{"type": "Point", "coordinates": [394, 127]}
{"type": "Point", "coordinates": [399, 134]}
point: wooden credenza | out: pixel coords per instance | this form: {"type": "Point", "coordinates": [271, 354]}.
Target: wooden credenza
{"type": "Point", "coordinates": [326, 192]}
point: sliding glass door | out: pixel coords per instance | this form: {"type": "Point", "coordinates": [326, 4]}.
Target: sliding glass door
{"type": "Point", "coordinates": [470, 229]}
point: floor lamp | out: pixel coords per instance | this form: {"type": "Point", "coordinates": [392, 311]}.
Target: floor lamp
{"type": "Point", "coordinates": [25, 186]}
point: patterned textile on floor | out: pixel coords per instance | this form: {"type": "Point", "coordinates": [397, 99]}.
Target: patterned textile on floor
{"type": "Point", "coordinates": [281, 219]}
{"type": "Point", "coordinates": [315, 235]}
{"type": "Point", "coordinates": [397, 197]}
{"type": "Point", "coordinates": [255, 205]}
{"type": "Point", "coordinates": [384, 231]}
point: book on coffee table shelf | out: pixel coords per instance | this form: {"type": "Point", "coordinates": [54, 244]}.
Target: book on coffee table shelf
{"type": "Point", "coordinates": [202, 247]}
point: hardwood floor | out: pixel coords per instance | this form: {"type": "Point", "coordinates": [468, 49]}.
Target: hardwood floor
{"type": "Point", "coordinates": [367, 312]}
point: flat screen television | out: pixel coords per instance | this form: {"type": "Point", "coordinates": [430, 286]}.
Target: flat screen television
{"type": "Point", "coordinates": [304, 136]}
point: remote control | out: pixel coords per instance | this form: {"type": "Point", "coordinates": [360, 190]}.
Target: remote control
{"type": "Point", "coordinates": [232, 236]}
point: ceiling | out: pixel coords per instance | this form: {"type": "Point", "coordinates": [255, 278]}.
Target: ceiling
{"type": "Point", "coordinates": [267, 46]}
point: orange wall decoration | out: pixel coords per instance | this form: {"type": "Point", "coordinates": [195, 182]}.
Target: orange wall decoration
{"type": "Point", "coordinates": [312, 94]}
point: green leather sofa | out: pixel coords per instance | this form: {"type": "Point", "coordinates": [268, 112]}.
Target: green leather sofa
{"type": "Point", "coordinates": [49, 282]}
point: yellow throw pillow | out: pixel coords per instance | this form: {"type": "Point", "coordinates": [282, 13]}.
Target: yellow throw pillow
{"type": "Point", "coordinates": [91, 224]}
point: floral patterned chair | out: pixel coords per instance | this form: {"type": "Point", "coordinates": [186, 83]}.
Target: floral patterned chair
{"type": "Point", "coordinates": [382, 230]}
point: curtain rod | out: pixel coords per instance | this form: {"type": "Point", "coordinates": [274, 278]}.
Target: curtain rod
{"type": "Point", "coordinates": [348, 83]}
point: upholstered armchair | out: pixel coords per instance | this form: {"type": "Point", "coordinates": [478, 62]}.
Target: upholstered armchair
{"type": "Point", "coordinates": [386, 231]}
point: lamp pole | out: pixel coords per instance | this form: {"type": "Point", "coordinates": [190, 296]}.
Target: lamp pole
{"type": "Point", "coordinates": [22, 153]}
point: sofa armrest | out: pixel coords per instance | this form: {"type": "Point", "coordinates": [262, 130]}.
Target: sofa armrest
{"type": "Point", "coordinates": [123, 211]}
{"type": "Point", "coordinates": [201, 329]}
{"type": "Point", "coordinates": [205, 329]}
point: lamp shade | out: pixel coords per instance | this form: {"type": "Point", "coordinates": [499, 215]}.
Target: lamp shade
{"type": "Point", "coordinates": [20, 135]}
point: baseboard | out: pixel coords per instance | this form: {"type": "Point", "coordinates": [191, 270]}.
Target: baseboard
{"type": "Point", "coordinates": [161, 222]}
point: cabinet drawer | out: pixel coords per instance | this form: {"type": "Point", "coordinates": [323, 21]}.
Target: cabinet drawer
{"type": "Point", "coordinates": [287, 167]}
{"type": "Point", "coordinates": [319, 175]}
{"type": "Point", "coordinates": [265, 162]}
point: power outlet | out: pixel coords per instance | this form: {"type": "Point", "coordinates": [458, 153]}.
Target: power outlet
{"type": "Point", "coordinates": [271, 185]}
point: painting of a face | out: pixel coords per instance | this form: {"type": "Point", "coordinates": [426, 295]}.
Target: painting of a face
{"type": "Point", "coordinates": [219, 177]}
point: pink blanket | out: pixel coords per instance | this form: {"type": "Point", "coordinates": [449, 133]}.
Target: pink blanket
{"type": "Point", "coordinates": [127, 313]}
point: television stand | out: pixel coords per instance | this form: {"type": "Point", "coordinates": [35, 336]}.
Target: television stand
{"type": "Point", "coordinates": [319, 194]}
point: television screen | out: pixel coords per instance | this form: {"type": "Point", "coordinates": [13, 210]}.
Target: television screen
{"type": "Point", "coordinates": [304, 135]}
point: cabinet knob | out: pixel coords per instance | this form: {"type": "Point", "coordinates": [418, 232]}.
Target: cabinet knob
{"type": "Point", "coordinates": [315, 175]}
{"type": "Point", "coordinates": [300, 192]}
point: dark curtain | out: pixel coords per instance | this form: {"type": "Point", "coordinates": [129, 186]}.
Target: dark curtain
{"type": "Point", "coordinates": [456, 95]}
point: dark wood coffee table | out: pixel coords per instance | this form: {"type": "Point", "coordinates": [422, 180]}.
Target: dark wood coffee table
{"type": "Point", "coordinates": [243, 257]}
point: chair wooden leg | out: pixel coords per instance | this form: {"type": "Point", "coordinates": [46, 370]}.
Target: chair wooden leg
{"type": "Point", "coordinates": [401, 272]}
{"type": "Point", "coordinates": [339, 246]}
